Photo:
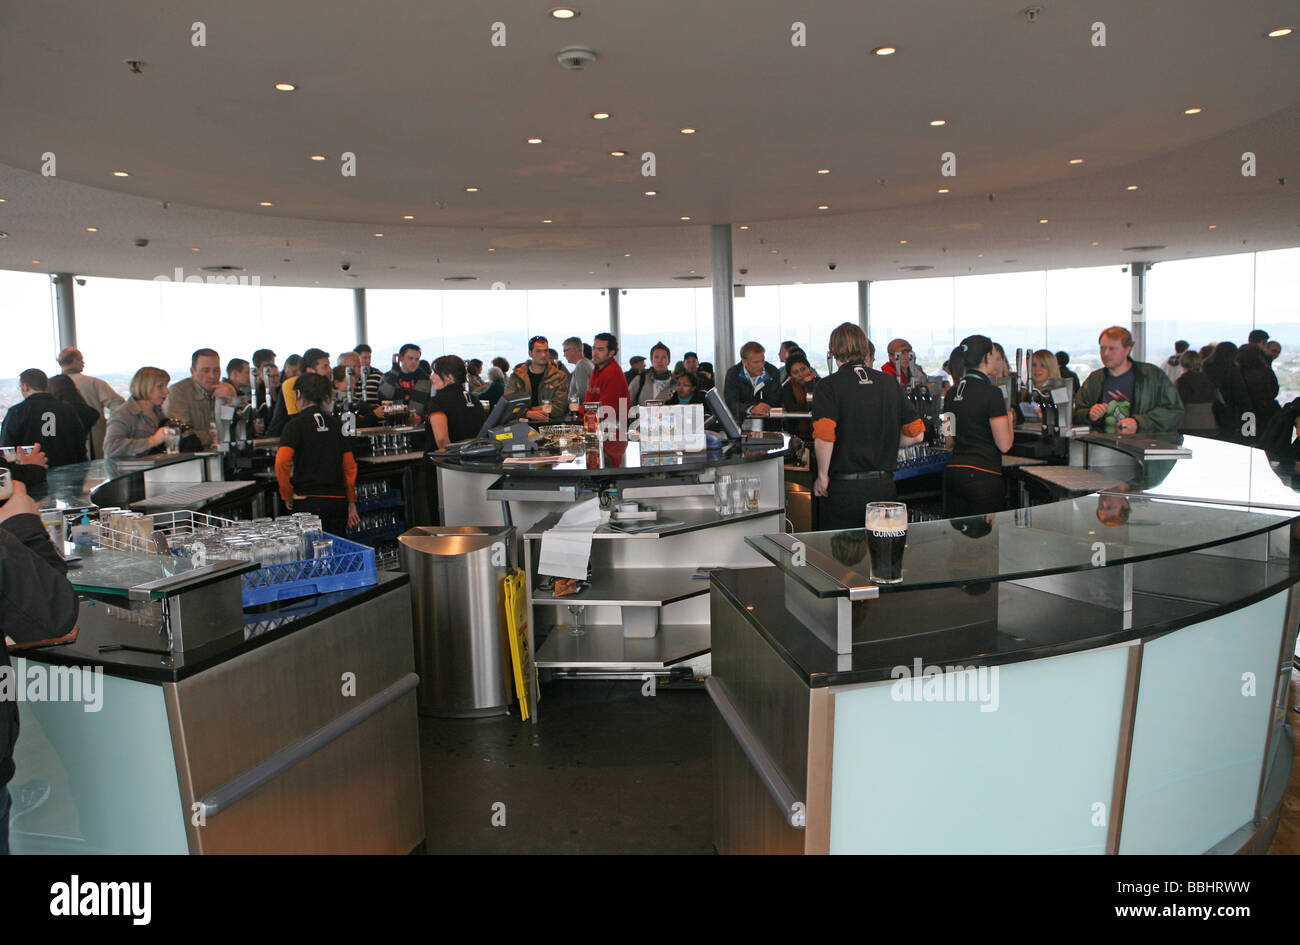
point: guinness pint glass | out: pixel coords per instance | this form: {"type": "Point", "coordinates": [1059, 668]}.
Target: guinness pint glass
{"type": "Point", "coordinates": [886, 538]}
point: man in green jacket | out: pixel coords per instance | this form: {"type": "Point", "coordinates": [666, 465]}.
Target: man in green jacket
{"type": "Point", "coordinates": [1155, 404]}
{"type": "Point", "coordinates": [540, 380]}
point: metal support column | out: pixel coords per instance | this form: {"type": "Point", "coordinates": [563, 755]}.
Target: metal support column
{"type": "Point", "coordinates": [1138, 273]}
{"type": "Point", "coordinates": [864, 306]}
{"type": "Point", "coordinates": [359, 312]}
{"type": "Point", "coordinates": [724, 335]}
{"type": "Point", "coordinates": [614, 326]}
{"type": "Point", "coordinates": [65, 309]}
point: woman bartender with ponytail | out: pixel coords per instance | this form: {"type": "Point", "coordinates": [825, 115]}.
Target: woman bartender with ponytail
{"type": "Point", "coordinates": [972, 483]}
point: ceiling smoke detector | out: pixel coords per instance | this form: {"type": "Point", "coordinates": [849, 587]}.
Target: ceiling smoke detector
{"type": "Point", "coordinates": [576, 58]}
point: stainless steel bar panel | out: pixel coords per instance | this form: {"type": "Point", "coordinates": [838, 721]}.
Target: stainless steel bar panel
{"type": "Point", "coordinates": [243, 784]}
{"type": "Point", "coordinates": [792, 809]}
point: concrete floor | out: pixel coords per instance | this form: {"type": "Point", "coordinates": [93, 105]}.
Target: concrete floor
{"type": "Point", "coordinates": [605, 770]}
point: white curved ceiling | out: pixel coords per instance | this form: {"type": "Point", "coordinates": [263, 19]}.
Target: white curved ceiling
{"type": "Point", "coordinates": [429, 106]}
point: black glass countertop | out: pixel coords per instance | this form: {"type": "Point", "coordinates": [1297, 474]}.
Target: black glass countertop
{"type": "Point", "coordinates": [1073, 535]}
{"type": "Point", "coordinates": [616, 458]}
{"type": "Point", "coordinates": [72, 487]}
{"type": "Point", "coordinates": [102, 622]}
{"type": "Point", "coordinates": [993, 624]}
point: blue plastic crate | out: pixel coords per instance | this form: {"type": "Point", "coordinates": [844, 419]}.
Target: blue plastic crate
{"type": "Point", "coordinates": [350, 566]}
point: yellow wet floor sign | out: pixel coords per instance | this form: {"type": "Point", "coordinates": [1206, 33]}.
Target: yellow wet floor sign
{"type": "Point", "coordinates": [517, 627]}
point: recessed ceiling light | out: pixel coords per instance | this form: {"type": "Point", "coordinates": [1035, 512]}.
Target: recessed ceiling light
{"type": "Point", "coordinates": [884, 50]}
{"type": "Point", "coordinates": [548, 220]}
{"type": "Point", "coordinates": [121, 174]}
{"type": "Point", "coordinates": [651, 193]}
{"type": "Point", "coordinates": [625, 255]}
{"type": "Point", "coordinates": [3, 200]}
{"type": "Point", "coordinates": [979, 255]}
{"type": "Point", "coordinates": [1043, 220]}
{"type": "Point", "coordinates": [36, 262]}
{"type": "Point", "coordinates": [1076, 160]}
{"type": "Point", "coordinates": [938, 122]}
{"type": "Point", "coordinates": [92, 229]}
{"type": "Point", "coordinates": [823, 206]}
{"type": "Point", "coordinates": [685, 218]}
{"type": "Point", "coordinates": [534, 140]}
{"type": "Point", "coordinates": [377, 235]}
{"type": "Point", "coordinates": [1194, 110]}
{"type": "Point", "coordinates": [1131, 187]}
{"type": "Point", "coordinates": [194, 249]}
{"type": "Point", "coordinates": [772, 251]}
{"type": "Point", "coordinates": [265, 203]}
{"type": "Point", "coordinates": [618, 154]}
{"type": "Point", "coordinates": [1279, 32]}
{"type": "Point", "coordinates": [471, 190]}
{"type": "Point", "coordinates": [318, 157]}
{"type": "Point", "coordinates": [1095, 243]}
{"type": "Point", "coordinates": [1214, 226]}
{"type": "Point", "coordinates": [688, 131]}
{"type": "Point", "coordinates": [564, 13]}
{"type": "Point", "coordinates": [744, 226]}
{"type": "Point", "coordinates": [824, 170]}
{"type": "Point", "coordinates": [492, 249]}
{"type": "Point", "coordinates": [902, 241]}
{"type": "Point", "coordinates": [600, 116]}
{"type": "Point", "coordinates": [285, 86]}
{"type": "Point", "coordinates": [590, 272]}
{"type": "Point", "coordinates": [942, 190]}
{"type": "Point", "coordinates": [408, 216]}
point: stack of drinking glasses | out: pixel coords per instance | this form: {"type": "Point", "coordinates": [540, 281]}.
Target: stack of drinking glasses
{"type": "Point", "coordinates": [262, 541]}
{"type": "Point", "coordinates": [733, 495]}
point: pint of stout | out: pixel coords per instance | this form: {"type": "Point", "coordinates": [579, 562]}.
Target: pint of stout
{"type": "Point", "coordinates": [886, 538]}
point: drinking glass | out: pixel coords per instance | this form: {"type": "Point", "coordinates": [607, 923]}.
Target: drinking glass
{"type": "Point", "coordinates": [722, 495]}
{"type": "Point", "coordinates": [753, 488]}
{"type": "Point", "coordinates": [886, 524]}
{"type": "Point", "coordinates": [172, 440]}
{"type": "Point", "coordinates": [322, 548]}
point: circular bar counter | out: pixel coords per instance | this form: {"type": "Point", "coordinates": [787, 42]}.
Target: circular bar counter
{"type": "Point", "coordinates": [645, 605]}
{"type": "Point", "coordinates": [1103, 674]}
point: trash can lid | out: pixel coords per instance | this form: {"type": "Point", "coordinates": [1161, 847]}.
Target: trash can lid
{"type": "Point", "coordinates": [454, 539]}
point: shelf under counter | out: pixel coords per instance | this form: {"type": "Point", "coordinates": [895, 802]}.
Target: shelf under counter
{"type": "Point", "coordinates": [604, 648]}
{"type": "Point", "coordinates": [633, 587]}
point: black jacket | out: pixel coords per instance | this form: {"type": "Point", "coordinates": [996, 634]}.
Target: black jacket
{"type": "Point", "coordinates": [1261, 388]}
{"type": "Point", "coordinates": [1236, 399]}
{"type": "Point", "coordinates": [26, 423]}
{"type": "Point", "coordinates": [36, 603]}
{"type": "Point", "coordinates": [738, 390]}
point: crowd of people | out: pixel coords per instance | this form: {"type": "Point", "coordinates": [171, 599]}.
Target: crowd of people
{"type": "Point", "coordinates": [1222, 390]}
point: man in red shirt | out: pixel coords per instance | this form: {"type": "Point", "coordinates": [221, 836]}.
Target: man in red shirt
{"type": "Point", "coordinates": [900, 346]}
{"type": "Point", "coordinates": [609, 386]}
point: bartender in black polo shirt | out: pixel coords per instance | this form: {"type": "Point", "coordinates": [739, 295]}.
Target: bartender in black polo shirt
{"type": "Point", "coordinates": [860, 419]}
{"type": "Point", "coordinates": [454, 413]}
{"type": "Point", "coordinates": [984, 430]}
{"type": "Point", "coordinates": [314, 467]}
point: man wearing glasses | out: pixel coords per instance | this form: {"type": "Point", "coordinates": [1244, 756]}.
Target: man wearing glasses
{"type": "Point", "coordinates": [544, 383]}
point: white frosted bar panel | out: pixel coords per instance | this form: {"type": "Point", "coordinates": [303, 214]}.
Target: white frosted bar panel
{"type": "Point", "coordinates": [946, 777]}
{"type": "Point", "coordinates": [1198, 738]}
{"type": "Point", "coordinates": [111, 773]}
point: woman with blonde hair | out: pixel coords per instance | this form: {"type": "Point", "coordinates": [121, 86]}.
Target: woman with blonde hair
{"type": "Point", "coordinates": [138, 426]}
{"type": "Point", "coordinates": [1043, 367]}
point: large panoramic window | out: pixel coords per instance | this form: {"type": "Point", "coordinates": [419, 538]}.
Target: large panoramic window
{"type": "Point", "coordinates": [31, 340]}
{"type": "Point", "coordinates": [124, 324]}
{"type": "Point", "coordinates": [917, 310]}
{"type": "Point", "coordinates": [680, 318]}
{"type": "Point", "coordinates": [1082, 302]}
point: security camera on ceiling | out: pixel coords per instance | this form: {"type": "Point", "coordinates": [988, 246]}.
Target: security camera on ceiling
{"type": "Point", "coordinates": [345, 266]}
{"type": "Point", "coordinates": [576, 58]}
